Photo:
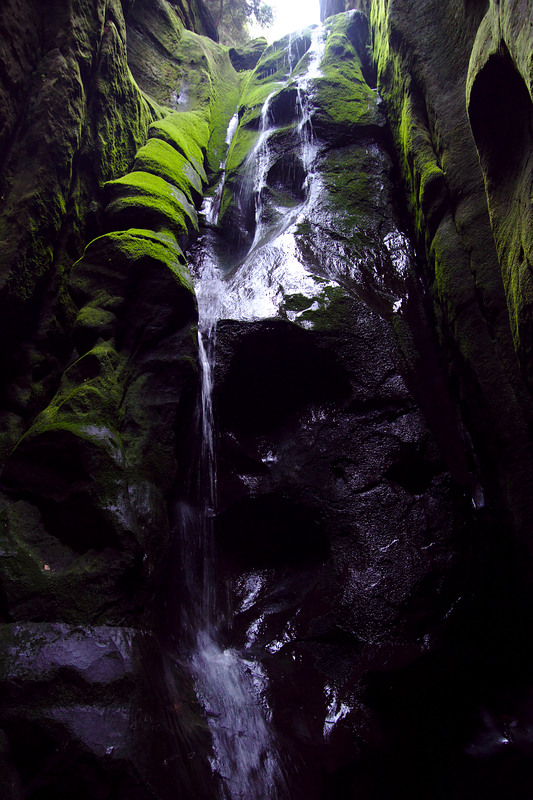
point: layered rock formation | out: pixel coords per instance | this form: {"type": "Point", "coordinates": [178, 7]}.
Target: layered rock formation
{"type": "Point", "coordinates": [99, 375]}
{"type": "Point", "coordinates": [372, 394]}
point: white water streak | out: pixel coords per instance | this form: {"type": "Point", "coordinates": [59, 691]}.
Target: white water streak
{"type": "Point", "coordinates": [212, 205]}
{"type": "Point", "coordinates": [232, 687]}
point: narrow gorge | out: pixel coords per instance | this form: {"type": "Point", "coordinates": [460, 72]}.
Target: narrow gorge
{"type": "Point", "coordinates": [266, 489]}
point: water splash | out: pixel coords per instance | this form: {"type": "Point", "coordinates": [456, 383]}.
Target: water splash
{"type": "Point", "coordinates": [231, 690]}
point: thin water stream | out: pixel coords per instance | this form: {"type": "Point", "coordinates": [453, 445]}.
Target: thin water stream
{"type": "Point", "coordinates": [230, 685]}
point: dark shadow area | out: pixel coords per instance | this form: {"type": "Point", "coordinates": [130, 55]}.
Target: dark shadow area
{"type": "Point", "coordinates": [271, 530]}
{"type": "Point", "coordinates": [456, 723]}
{"type": "Point", "coordinates": [274, 371]}
{"type": "Point", "coordinates": [501, 116]}
{"type": "Point", "coordinates": [287, 178]}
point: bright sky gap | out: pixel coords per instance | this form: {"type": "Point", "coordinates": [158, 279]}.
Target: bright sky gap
{"type": "Point", "coordinates": [291, 15]}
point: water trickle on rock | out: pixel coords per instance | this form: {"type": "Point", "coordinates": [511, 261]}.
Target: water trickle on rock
{"type": "Point", "coordinates": [231, 686]}
{"type": "Point", "coordinates": [211, 206]}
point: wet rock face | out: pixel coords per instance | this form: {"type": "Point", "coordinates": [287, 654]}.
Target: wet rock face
{"type": "Point", "coordinates": [338, 520]}
{"type": "Point", "coordinates": [367, 578]}
{"type": "Point", "coordinates": [450, 155]}
{"type": "Point", "coordinates": [342, 474]}
{"type": "Point", "coordinates": [459, 171]}
{"type": "Point", "coordinates": [382, 604]}
{"type": "Point", "coordinates": [79, 708]}
{"type": "Point", "coordinates": [336, 525]}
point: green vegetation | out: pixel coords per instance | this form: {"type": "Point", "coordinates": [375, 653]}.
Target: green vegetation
{"type": "Point", "coordinates": [161, 159]}
{"type": "Point", "coordinates": [344, 99]}
{"type": "Point", "coordinates": [141, 195]}
{"type": "Point", "coordinates": [188, 133]}
{"type": "Point", "coordinates": [231, 18]}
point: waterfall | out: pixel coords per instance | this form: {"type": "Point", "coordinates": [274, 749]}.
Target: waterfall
{"type": "Point", "coordinates": [303, 87]}
{"type": "Point", "coordinates": [212, 204]}
{"type": "Point", "coordinates": [228, 685]}
{"type": "Point", "coordinates": [231, 685]}
{"type": "Point", "coordinates": [259, 162]}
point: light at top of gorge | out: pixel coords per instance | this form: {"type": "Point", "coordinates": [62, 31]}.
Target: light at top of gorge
{"type": "Point", "coordinates": [290, 15]}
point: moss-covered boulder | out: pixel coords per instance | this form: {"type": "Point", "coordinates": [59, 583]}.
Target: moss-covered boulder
{"type": "Point", "coordinates": [345, 103]}
{"type": "Point", "coordinates": [160, 158]}
{"type": "Point", "coordinates": [115, 415]}
{"type": "Point", "coordinates": [247, 56]}
{"type": "Point", "coordinates": [141, 195]}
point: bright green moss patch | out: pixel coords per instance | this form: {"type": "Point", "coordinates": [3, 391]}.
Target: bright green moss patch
{"type": "Point", "coordinates": [274, 64]}
{"type": "Point", "coordinates": [161, 159]}
{"type": "Point", "coordinates": [243, 144]}
{"type": "Point", "coordinates": [344, 98]}
{"type": "Point", "coordinates": [89, 395]}
{"type": "Point", "coordinates": [253, 100]}
{"type": "Point", "coordinates": [143, 196]}
{"type": "Point", "coordinates": [188, 132]}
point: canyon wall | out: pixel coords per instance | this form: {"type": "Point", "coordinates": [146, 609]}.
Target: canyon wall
{"type": "Point", "coordinates": [375, 463]}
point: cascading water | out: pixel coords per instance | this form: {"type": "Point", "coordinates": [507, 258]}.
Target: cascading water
{"type": "Point", "coordinates": [259, 163]}
{"type": "Point", "coordinates": [231, 685]}
{"type": "Point", "coordinates": [212, 204]}
{"type": "Point", "coordinates": [245, 756]}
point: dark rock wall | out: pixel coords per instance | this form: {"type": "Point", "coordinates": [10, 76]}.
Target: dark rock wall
{"type": "Point", "coordinates": [422, 57]}
{"type": "Point", "coordinates": [390, 554]}
{"type": "Point", "coordinates": [500, 111]}
{"type": "Point", "coordinates": [464, 154]}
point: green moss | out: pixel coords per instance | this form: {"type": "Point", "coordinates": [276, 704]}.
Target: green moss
{"type": "Point", "coordinates": [89, 395]}
{"type": "Point", "coordinates": [327, 311]}
{"type": "Point", "coordinates": [353, 178]}
{"type": "Point", "coordinates": [243, 144]}
{"type": "Point", "coordinates": [253, 100]}
{"type": "Point", "coordinates": [188, 132]}
{"type": "Point", "coordinates": [91, 324]}
{"type": "Point", "coordinates": [344, 98]}
{"type": "Point", "coordinates": [246, 57]}
{"type": "Point", "coordinates": [274, 63]}
{"type": "Point", "coordinates": [110, 261]}
{"type": "Point", "coordinates": [296, 302]}
{"type": "Point", "coordinates": [143, 196]}
{"type": "Point", "coordinates": [161, 159]}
